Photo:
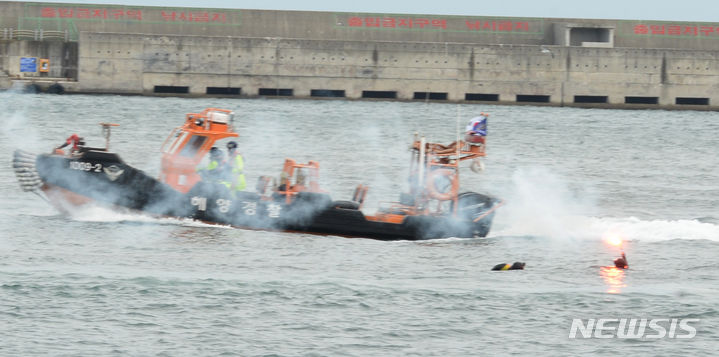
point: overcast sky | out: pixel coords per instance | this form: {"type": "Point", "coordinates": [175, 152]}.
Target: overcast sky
{"type": "Point", "coordinates": [677, 10]}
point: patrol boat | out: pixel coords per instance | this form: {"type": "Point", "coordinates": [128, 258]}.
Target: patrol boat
{"type": "Point", "coordinates": [433, 207]}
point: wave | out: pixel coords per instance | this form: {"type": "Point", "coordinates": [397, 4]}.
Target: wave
{"type": "Point", "coordinates": [559, 227]}
{"type": "Point", "coordinates": [628, 228]}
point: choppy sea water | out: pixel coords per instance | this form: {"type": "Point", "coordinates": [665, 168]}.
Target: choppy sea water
{"type": "Point", "coordinates": [106, 283]}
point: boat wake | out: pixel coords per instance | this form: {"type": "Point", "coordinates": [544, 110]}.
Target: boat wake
{"type": "Point", "coordinates": [541, 203]}
{"type": "Point", "coordinates": [629, 228]}
{"type": "Point", "coordinates": [575, 227]}
{"type": "Point", "coordinates": [95, 213]}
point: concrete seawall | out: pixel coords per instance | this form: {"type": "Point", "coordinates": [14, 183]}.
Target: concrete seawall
{"type": "Point", "coordinates": [591, 63]}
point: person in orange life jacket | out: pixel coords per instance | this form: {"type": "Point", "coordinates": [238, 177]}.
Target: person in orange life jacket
{"type": "Point", "coordinates": [76, 142]}
{"type": "Point", "coordinates": [235, 166]}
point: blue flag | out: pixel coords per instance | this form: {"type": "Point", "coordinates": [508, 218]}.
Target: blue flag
{"type": "Point", "coordinates": [477, 126]}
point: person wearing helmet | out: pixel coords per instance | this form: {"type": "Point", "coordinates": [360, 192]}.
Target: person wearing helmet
{"type": "Point", "coordinates": [213, 170]}
{"type": "Point", "coordinates": [235, 166]}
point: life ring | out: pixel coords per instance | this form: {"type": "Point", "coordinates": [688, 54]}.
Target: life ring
{"type": "Point", "coordinates": [432, 186]}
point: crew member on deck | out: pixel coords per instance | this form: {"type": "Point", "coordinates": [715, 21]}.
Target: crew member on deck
{"type": "Point", "coordinates": [235, 166]}
{"type": "Point", "coordinates": [76, 142]}
{"type": "Point", "coordinates": [213, 171]}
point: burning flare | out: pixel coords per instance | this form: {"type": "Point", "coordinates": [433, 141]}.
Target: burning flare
{"type": "Point", "coordinates": [614, 240]}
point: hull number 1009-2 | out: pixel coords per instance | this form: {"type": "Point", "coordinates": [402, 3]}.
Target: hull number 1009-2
{"type": "Point", "coordinates": [85, 166]}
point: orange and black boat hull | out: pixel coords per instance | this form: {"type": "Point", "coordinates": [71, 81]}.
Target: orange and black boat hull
{"type": "Point", "coordinates": [103, 178]}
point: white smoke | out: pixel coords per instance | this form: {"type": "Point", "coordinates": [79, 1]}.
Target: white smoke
{"type": "Point", "coordinates": [541, 203]}
{"type": "Point", "coordinates": [17, 129]}
{"type": "Point", "coordinates": [632, 228]}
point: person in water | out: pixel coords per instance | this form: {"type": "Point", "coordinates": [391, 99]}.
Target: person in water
{"type": "Point", "coordinates": [621, 262]}
{"type": "Point", "coordinates": [515, 266]}
{"type": "Point", "coordinates": [235, 166]}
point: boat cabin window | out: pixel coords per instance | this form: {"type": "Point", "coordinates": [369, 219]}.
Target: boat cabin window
{"type": "Point", "coordinates": [301, 176]}
{"type": "Point", "coordinates": [193, 146]}
{"type": "Point", "coordinates": [179, 137]}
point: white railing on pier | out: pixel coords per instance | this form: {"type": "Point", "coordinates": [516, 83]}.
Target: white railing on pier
{"type": "Point", "coordinates": [9, 34]}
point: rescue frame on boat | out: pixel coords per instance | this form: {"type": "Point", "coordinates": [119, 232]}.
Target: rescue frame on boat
{"type": "Point", "coordinates": [433, 207]}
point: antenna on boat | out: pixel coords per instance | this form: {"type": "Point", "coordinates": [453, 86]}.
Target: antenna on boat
{"type": "Point", "coordinates": [458, 108]}
{"type": "Point", "coordinates": [421, 163]}
{"type": "Point", "coordinates": [106, 133]}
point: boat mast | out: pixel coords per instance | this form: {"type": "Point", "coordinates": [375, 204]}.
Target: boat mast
{"type": "Point", "coordinates": [106, 133]}
{"type": "Point", "coordinates": [420, 162]}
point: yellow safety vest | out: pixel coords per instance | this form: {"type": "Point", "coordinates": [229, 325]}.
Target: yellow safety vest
{"type": "Point", "coordinates": [238, 166]}
{"type": "Point", "coordinates": [212, 167]}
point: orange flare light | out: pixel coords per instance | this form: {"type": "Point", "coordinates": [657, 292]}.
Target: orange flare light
{"type": "Point", "coordinates": [614, 240]}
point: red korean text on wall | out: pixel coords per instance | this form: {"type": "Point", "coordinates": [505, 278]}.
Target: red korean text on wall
{"type": "Point", "coordinates": [188, 16]}
{"type": "Point", "coordinates": [676, 30]}
{"type": "Point", "coordinates": [502, 26]}
{"type": "Point", "coordinates": [99, 14]}
{"type": "Point", "coordinates": [133, 14]}
{"type": "Point", "coordinates": [438, 24]}
{"type": "Point", "coordinates": [394, 22]}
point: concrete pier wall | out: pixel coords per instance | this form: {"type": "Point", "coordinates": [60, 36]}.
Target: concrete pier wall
{"type": "Point", "coordinates": [62, 55]}
{"type": "Point", "coordinates": [556, 75]}
{"type": "Point", "coordinates": [182, 51]}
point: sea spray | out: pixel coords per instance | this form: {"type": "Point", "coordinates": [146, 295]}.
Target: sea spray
{"type": "Point", "coordinates": [542, 203]}
{"type": "Point", "coordinates": [17, 128]}
{"type": "Point", "coordinates": [632, 228]}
